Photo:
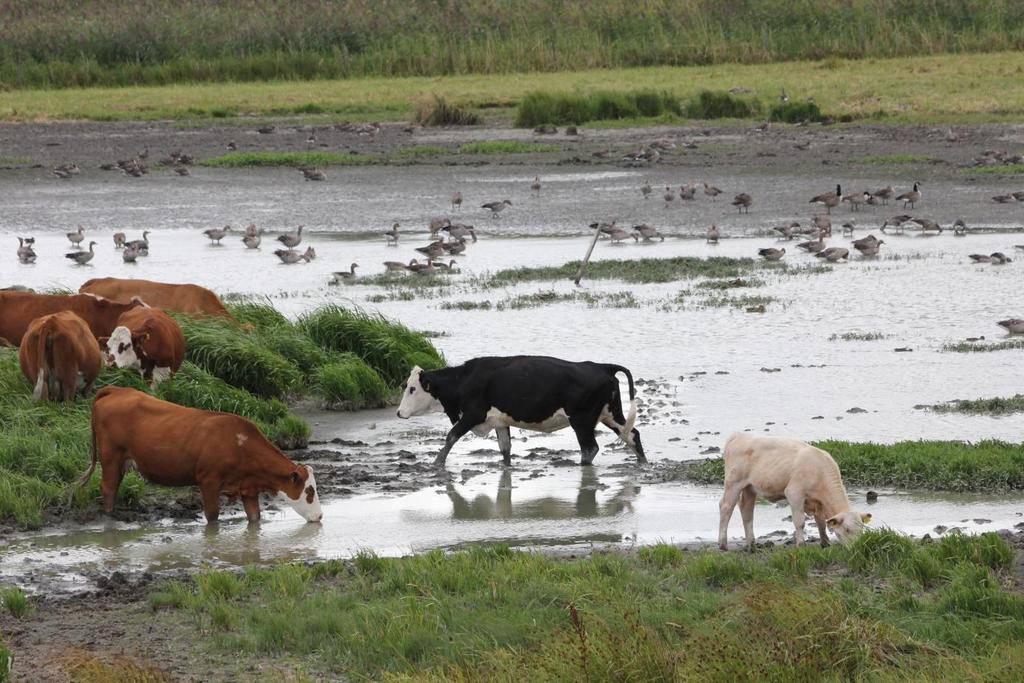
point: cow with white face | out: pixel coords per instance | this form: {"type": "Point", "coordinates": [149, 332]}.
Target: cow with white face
{"type": "Point", "coordinates": [148, 340]}
{"type": "Point", "coordinates": [536, 393]}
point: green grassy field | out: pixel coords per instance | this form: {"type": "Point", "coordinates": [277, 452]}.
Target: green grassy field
{"type": "Point", "coordinates": [117, 42]}
{"type": "Point", "coordinates": [941, 88]}
{"type": "Point", "coordinates": [883, 608]}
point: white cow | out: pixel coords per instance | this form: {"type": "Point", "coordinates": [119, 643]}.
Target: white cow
{"type": "Point", "coordinates": [777, 467]}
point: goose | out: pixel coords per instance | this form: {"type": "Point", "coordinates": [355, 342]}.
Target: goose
{"type": "Point", "coordinates": [62, 173]}
{"type": "Point", "coordinates": [217, 234]}
{"type": "Point", "coordinates": [427, 268]}
{"type": "Point", "coordinates": [142, 245]}
{"type": "Point", "coordinates": [433, 250]}
{"type": "Point", "coordinates": [669, 195]}
{"type": "Point", "coordinates": [927, 224]}
{"type": "Point", "coordinates": [291, 239]}
{"type": "Point", "coordinates": [787, 231]}
{"type": "Point", "coordinates": [182, 171]}
{"type": "Point", "coordinates": [450, 266]}
{"type": "Point", "coordinates": [496, 207]}
{"type": "Point", "coordinates": [713, 234]}
{"type": "Point", "coordinates": [884, 194]}
{"type": "Point", "coordinates": [618, 235]}
{"type": "Point", "coordinates": [231, 146]}
{"type": "Point", "coordinates": [1019, 196]}
{"type": "Point", "coordinates": [398, 266]}
{"type": "Point", "coordinates": [979, 258]}
{"type": "Point", "coordinates": [687, 192]}
{"type": "Point", "coordinates": [998, 258]}
{"type": "Point", "coordinates": [81, 257]}
{"type": "Point", "coordinates": [856, 199]}
{"type": "Point", "coordinates": [771, 253]}
{"type": "Point", "coordinates": [119, 240]}
{"type": "Point", "coordinates": [535, 185]}
{"type": "Point", "coordinates": [25, 252]}
{"type": "Point", "coordinates": [896, 222]}
{"type": "Point", "coordinates": [460, 231]}
{"type": "Point", "coordinates": [848, 228]}
{"type": "Point", "coordinates": [1012, 325]}
{"type": "Point", "coordinates": [822, 224]}
{"type": "Point", "coordinates": [1004, 199]}
{"type": "Point", "coordinates": [912, 197]}
{"type": "Point", "coordinates": [647, 232]}
{"type": "Point", "coordinates": [76, 237]}
{"type": "Point", "coordinates": [438, 224]}
{"type": "Point", "coordinates": [813, 246]}
{"type": "Point", "coordinates": [456, 201]}
{"type": "Point", "coordinates": [959, 227]}
{"type": "Point", "coordinates": [604, 228]}
{"type": "Point", "coordinates": [868, 246]}
{"type": "Point", "coordinates": [251, 230]}
{"type": "Point", "coordinates": [391, 236]}
{"type": "Point", "coordinates": [344, 275]}
{"type": "Point", "coordinates": [646, 189]}
{"type": "Point", "coordinates": [315, 174]}
{"type": "Point", "coordinates": [829, 200]}
{"type": "Point", "coordinates": [455, 247]}
{"type": "Point", "coordinates": [129, 254]}
{"type": "Point", "coordinates": [711, 191]}
{"type": "Point", "coordinates": [833, 254]}
{"type": "Point", "coordinates": [291, 256]}
{"type": "Point", "coordinates": [252, 241]}
{"type": "Point", "coordinates": [742, 201]}
{"type": "Point", "coordinates": [783, 97]}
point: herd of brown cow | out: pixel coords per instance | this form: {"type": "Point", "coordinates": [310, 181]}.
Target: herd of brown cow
{"type": "Point", "coordinates": [65, 340]}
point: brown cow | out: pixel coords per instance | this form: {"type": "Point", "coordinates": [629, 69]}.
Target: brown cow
{"type": "Point", "coordinates": [147, 339]}
{"type": "Point", "coordinates": [57, 352]}
{"type": "Point", "coordinates": [171, 445]}
{"type": "Point", "coordinates": [18, 309]}
{"type": "Point", "coordinates": [188, 299]}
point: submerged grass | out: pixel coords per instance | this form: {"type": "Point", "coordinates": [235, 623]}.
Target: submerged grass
{"type": "Point", "coordinates": [936, 465]}
{"type": "Point", "coordinates": [974, 347]}
{"type": "Point", "coordinates": [859, 336]}
{"type": "Point", "coordinates": [646, 270]}
{"type": "Point", "coordinates": [296, 159]}
{"type": "Point", "coordinates": [940, 611]}
{"type": "Point", "coordinates": [983, 406]}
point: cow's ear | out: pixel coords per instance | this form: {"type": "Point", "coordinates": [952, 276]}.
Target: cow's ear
{"type": "Point", "coordinates": [103, 341]}
{"type": "Point", "coordinates": [296, 479]}
{"type": "Point", "coordinates": [425, 383]}
{"type": "Point", "coordinates": [139, 338]}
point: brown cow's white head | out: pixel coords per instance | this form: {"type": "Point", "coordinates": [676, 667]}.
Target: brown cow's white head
{"type": "Point", "coordinates": [301, 494]}
{"type": "Point", "coordinates": [847, 525]}
{"type": "Point", "coordinates": [417, 399]}
{"type": "Point", "coordinates": [123, 348]}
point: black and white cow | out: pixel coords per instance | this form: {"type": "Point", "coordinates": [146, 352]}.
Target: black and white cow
{"type": "Point", "coordinates": [530, 392]}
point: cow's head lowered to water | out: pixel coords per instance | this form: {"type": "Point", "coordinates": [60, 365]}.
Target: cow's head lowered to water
{"type": "Point", "coordinates": [301, 494]}
{"type": "Point", "coordinates": [417, 398]}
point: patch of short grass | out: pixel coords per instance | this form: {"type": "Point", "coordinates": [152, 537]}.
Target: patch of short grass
{"type": "Point", "coordinates": [463, 305]}
{"type": "Point", "coordinates": [81, 666]}
{"type": "Point", "coordinates": [662, 614]}
{"type": "Point", "coordinates": [1006, 169]}
{"type": "Point", "coordinates": [985, 466]}
{"type": "Point", "coordinates": [296, 159]}
{"type": "Point", "coordinates": [976, 347]}
{"type": "Point", "coordinates": [506, 147]}
{"type": "Point", "coordinates": [858, 336]}
{"type": "Point", "coordinates": [14, 161]}
{"type": "Point", "coordinates": [983, 406]}
{"type": "Point", "coordinates": [419, 151]}
{"type": "Point", "coordinates": [733, 283]}
{"type": "Point", "coordinates": [897, 159]}
{"type": "Point", "coordinates": [745, 301]}
{"type": "Point", "coordinates": [591, 299]}
{"type": "Point", "coordinates": [644, 271]}
{"type": "Point", "coordinates": [14, 602]}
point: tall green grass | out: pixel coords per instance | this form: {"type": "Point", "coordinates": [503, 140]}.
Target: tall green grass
{"type": "Point", "coordinates": [389, 348]}
{"type": "Point", "coordinates": [117, 42]}
{"type": "Point", "coordinates": [884, 607]}
{"type": "Point", "coordinates": [538, 108]}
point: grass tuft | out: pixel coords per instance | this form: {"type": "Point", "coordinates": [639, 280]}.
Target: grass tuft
{"type": "Point", "coordinates": [505, 147]}
{"type": "Point", "coordinates": [983, 406]}
{"type": "Point", "coordinates": [722, 105]}
{"type": "Point", "coordinates": [437, 111]}
{"type": "Point", "coordinates": [14, 602]}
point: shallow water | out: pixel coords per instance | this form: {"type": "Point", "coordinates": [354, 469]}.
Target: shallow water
{"type": "Point", "coordinates": [707, 371]}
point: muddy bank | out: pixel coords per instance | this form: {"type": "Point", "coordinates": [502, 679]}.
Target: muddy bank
{"type": "Point", "coordinates": [805, 150]}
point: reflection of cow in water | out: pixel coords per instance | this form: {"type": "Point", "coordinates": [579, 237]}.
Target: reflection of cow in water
{"type": "Point", "coordinates": [549, 507]}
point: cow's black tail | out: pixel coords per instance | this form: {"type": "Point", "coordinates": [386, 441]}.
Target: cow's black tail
{"type": "Point", "coordinates": [631, 417]}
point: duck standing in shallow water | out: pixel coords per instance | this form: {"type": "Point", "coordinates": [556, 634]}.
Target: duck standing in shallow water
{"type": "Point", "coordinates": [217, 234]}
{"type": "Point", "coordinates": [25, 252]}
{"type": "Point", "coordinates": [82, 257]}
{"type": "Point", "coordinates": [291, 239]}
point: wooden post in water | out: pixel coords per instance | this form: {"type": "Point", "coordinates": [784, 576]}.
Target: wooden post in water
{"type": "Point", "coordinates": [586, 259]}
